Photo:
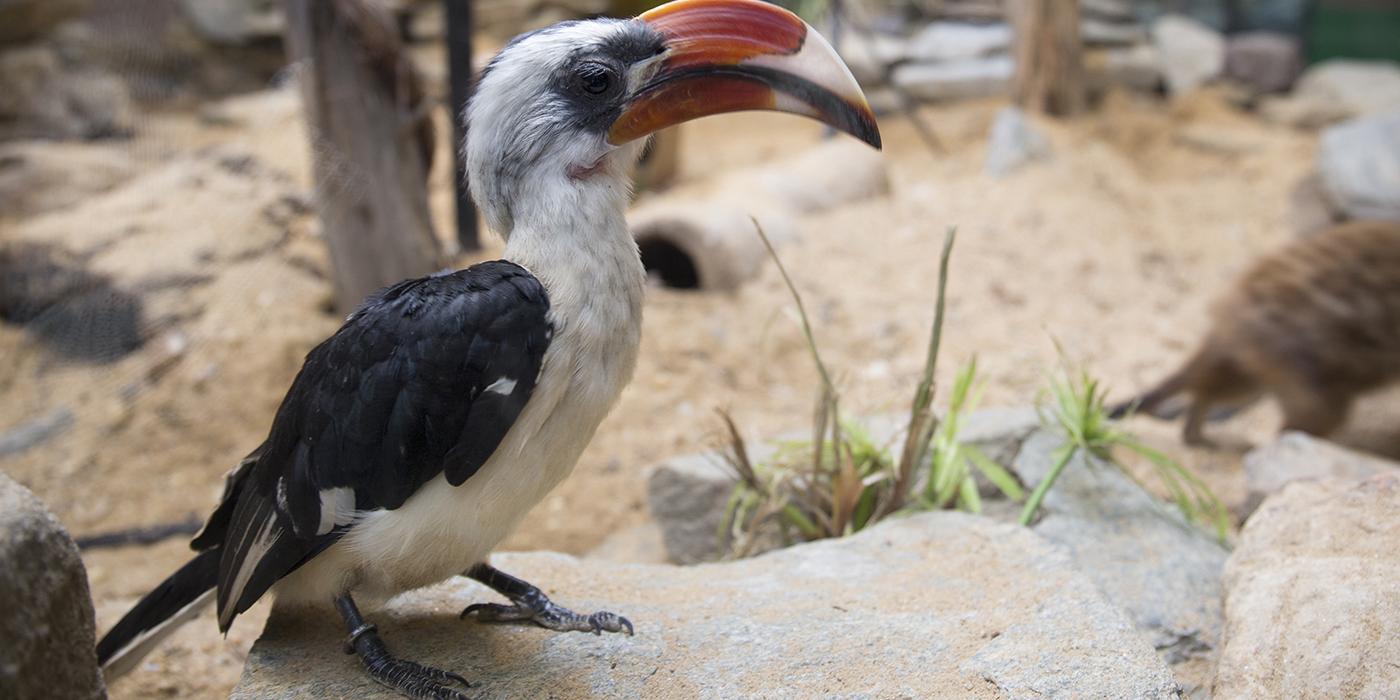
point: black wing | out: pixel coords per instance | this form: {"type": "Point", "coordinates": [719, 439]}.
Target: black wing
{"type": "Point", "coordinates": [426, 378]}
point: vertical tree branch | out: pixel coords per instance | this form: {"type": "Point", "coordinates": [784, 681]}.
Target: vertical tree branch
{"type": "Point", "coordinates": [371, 143]}
{"type": "Point", "coordinates": [1048, 51]}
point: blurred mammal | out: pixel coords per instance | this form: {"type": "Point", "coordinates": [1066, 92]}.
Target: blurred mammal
{"type": "Point", "coordinates": [1314, 325]}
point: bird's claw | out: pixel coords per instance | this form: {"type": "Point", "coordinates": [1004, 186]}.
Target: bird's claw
{"type": "Point", "coordinates": [549, 616]}
{"type": "Point", "coordinates": [416, 680]}
{"type": "Point", "coordinates": [410, 679]}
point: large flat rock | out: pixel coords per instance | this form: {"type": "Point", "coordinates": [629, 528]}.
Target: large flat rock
{"type": "Point", "coordinates": [1312, 594]}
{"type": "Point", "coordinates": [934, 605]}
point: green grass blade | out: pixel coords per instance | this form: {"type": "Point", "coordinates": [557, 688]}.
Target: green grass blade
{"type": "Point", "coordinates": [968, 497]}
{"type": "Point", "coordinates": [1063, 455]}
{"type": "Point", "coordinates": [995, 473]}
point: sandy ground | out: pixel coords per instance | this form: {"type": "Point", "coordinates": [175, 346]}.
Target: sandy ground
{"type": "Point", "coordinates": [1113, 248]}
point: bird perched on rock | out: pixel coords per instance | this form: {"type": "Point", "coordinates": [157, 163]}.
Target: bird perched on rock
{"type": "Point", "coordinates": [1314, 325]}
{"type": "Point", "coordinates": [418, 435]}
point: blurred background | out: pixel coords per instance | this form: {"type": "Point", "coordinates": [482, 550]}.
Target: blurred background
{"type": "Point", "coordinates": [177, 229]}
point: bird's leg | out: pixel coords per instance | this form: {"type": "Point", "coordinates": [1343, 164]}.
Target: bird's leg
{"type": "Point", "coordinates": [413, 680]}
{"type": "Point", "coordinates": [531, 604]}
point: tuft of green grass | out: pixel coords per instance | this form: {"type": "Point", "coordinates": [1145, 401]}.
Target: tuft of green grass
{"type": "Point", "coordinates": [840, 481]}
{"type": "Point", "coordinates": [950, 479]}
{"type": "Point", "coordinates": [1077, 409]}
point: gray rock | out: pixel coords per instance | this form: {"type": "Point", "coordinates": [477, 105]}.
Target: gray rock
{"type": "Point", "coordinates": [1138, 67]}
{"type": "Point", "coordinates": [43, 98]}
{"type": "Point", "coordinates": [1312, 594]}
{"type": "Point", "coordinates": [955, 80]}
{"type": "Point", "coordinates": [871, 56]}
{"type": "Point", "coordinates": [1193, 54]}
{"type": "Point", "coordinates": [23, 20]}
{"type": "Point", "coordinates": [999, 431]}
{"type": "Point", "coordinates": [1361, 87]}
{"type": "Point", "coordinates": [1359, 166]}
{"type": "Point", "coordinates": [1164, 572]}
{"type": "Point", "coordinates": [955, 41]}
{"type": "Point", "coordinates": [1113, 10]}
{"type": "Point", "coordinates": [963, 10]}
{"type": "Point", "coordinates": [1335, 90]}
{"type": "Point", "coordinates": [235, 22]}
{"type": "Point", "coordinates": [1264, 61]}
{"type": "Point", "coordinates": [934, 604]}
{"type": "Point", "coordinates": [47, 639]}
{"type": "Point", "coordinates": [687, 495]}
{"type": "Point", "coordinates": [1294, 456]}
{"type": "Point", "coordinates": [1097, 32]}
{"type": "Point", "coordinates": [1013, 143]}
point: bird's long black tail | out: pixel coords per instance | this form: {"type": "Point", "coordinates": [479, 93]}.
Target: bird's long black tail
{"type": "Point", "coordinates": [177, 599]}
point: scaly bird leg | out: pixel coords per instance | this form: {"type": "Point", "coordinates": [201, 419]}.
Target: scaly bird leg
{"type": "Point", "coordinates": [413, 680]}
{"type": "Point", "coordinates": [531, 604]}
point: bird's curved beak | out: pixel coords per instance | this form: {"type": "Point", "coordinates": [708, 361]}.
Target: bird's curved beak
{"type": "Point", "coordinates": [734, 55]}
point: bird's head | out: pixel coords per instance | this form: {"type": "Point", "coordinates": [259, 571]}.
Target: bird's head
{"type": "Point", "coordinates": [560, 113]}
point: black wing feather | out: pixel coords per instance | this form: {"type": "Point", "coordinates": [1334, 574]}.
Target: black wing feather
{"type": "Point", "coordinates": [394, 398]}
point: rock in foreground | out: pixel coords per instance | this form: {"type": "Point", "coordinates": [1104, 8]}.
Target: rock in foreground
{"type": "Point", "coordinates": [1312, 594]}
{"type": "Point", "coordinates": [936, 605]}
{"type": "Point", "coordinates": [46, 632]}
{"type": "Point", "coordinates": [1140, 553]}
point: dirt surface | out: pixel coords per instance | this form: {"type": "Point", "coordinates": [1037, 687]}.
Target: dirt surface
{"type": "Point", "coordinates": [1113, 249]}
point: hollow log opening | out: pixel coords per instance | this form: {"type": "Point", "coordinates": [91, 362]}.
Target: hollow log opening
{"type": "Point", "coordinates": [668, 262]}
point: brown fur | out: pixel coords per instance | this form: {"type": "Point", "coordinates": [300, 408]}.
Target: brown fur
{"type": "Point", "coordinates": [1313, 325]}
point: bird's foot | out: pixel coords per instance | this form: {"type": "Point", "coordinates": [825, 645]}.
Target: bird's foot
{"type": "Point", "coordinates": [530, 604]}
{"type": "Point", "coordinates": [549, 616]}
{"type": "Point", "coordinates": [415, 680]}
{"type": "Point", "coordinates": [411, 679]}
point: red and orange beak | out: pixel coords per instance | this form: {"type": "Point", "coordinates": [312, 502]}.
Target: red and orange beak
{"type": "Point", "coordinates": [735, 55]}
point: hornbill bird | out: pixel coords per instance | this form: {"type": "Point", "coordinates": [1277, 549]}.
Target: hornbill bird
{"type": "Point", "coordinates": [418, 435]}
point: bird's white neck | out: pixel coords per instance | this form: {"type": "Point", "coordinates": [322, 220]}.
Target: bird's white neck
{"type": "Point", "coordinates": [572, 235]}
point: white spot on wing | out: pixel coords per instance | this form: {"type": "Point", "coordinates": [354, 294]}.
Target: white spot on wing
{"type": "Point", "coordinates": [502, 386]}
{"type": "Point", "coordinates": [337, 508]}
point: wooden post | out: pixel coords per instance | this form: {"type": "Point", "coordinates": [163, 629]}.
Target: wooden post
{"type": "Point", "coordinates": [1049, 63]}
{"type": "Point", "coordinates": [371, 143]}
{"type": "Point", "coordinates": [460, 75]}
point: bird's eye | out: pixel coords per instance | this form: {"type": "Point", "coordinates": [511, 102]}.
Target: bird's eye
{"type": "Point", "coordinates": [595, 78]}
